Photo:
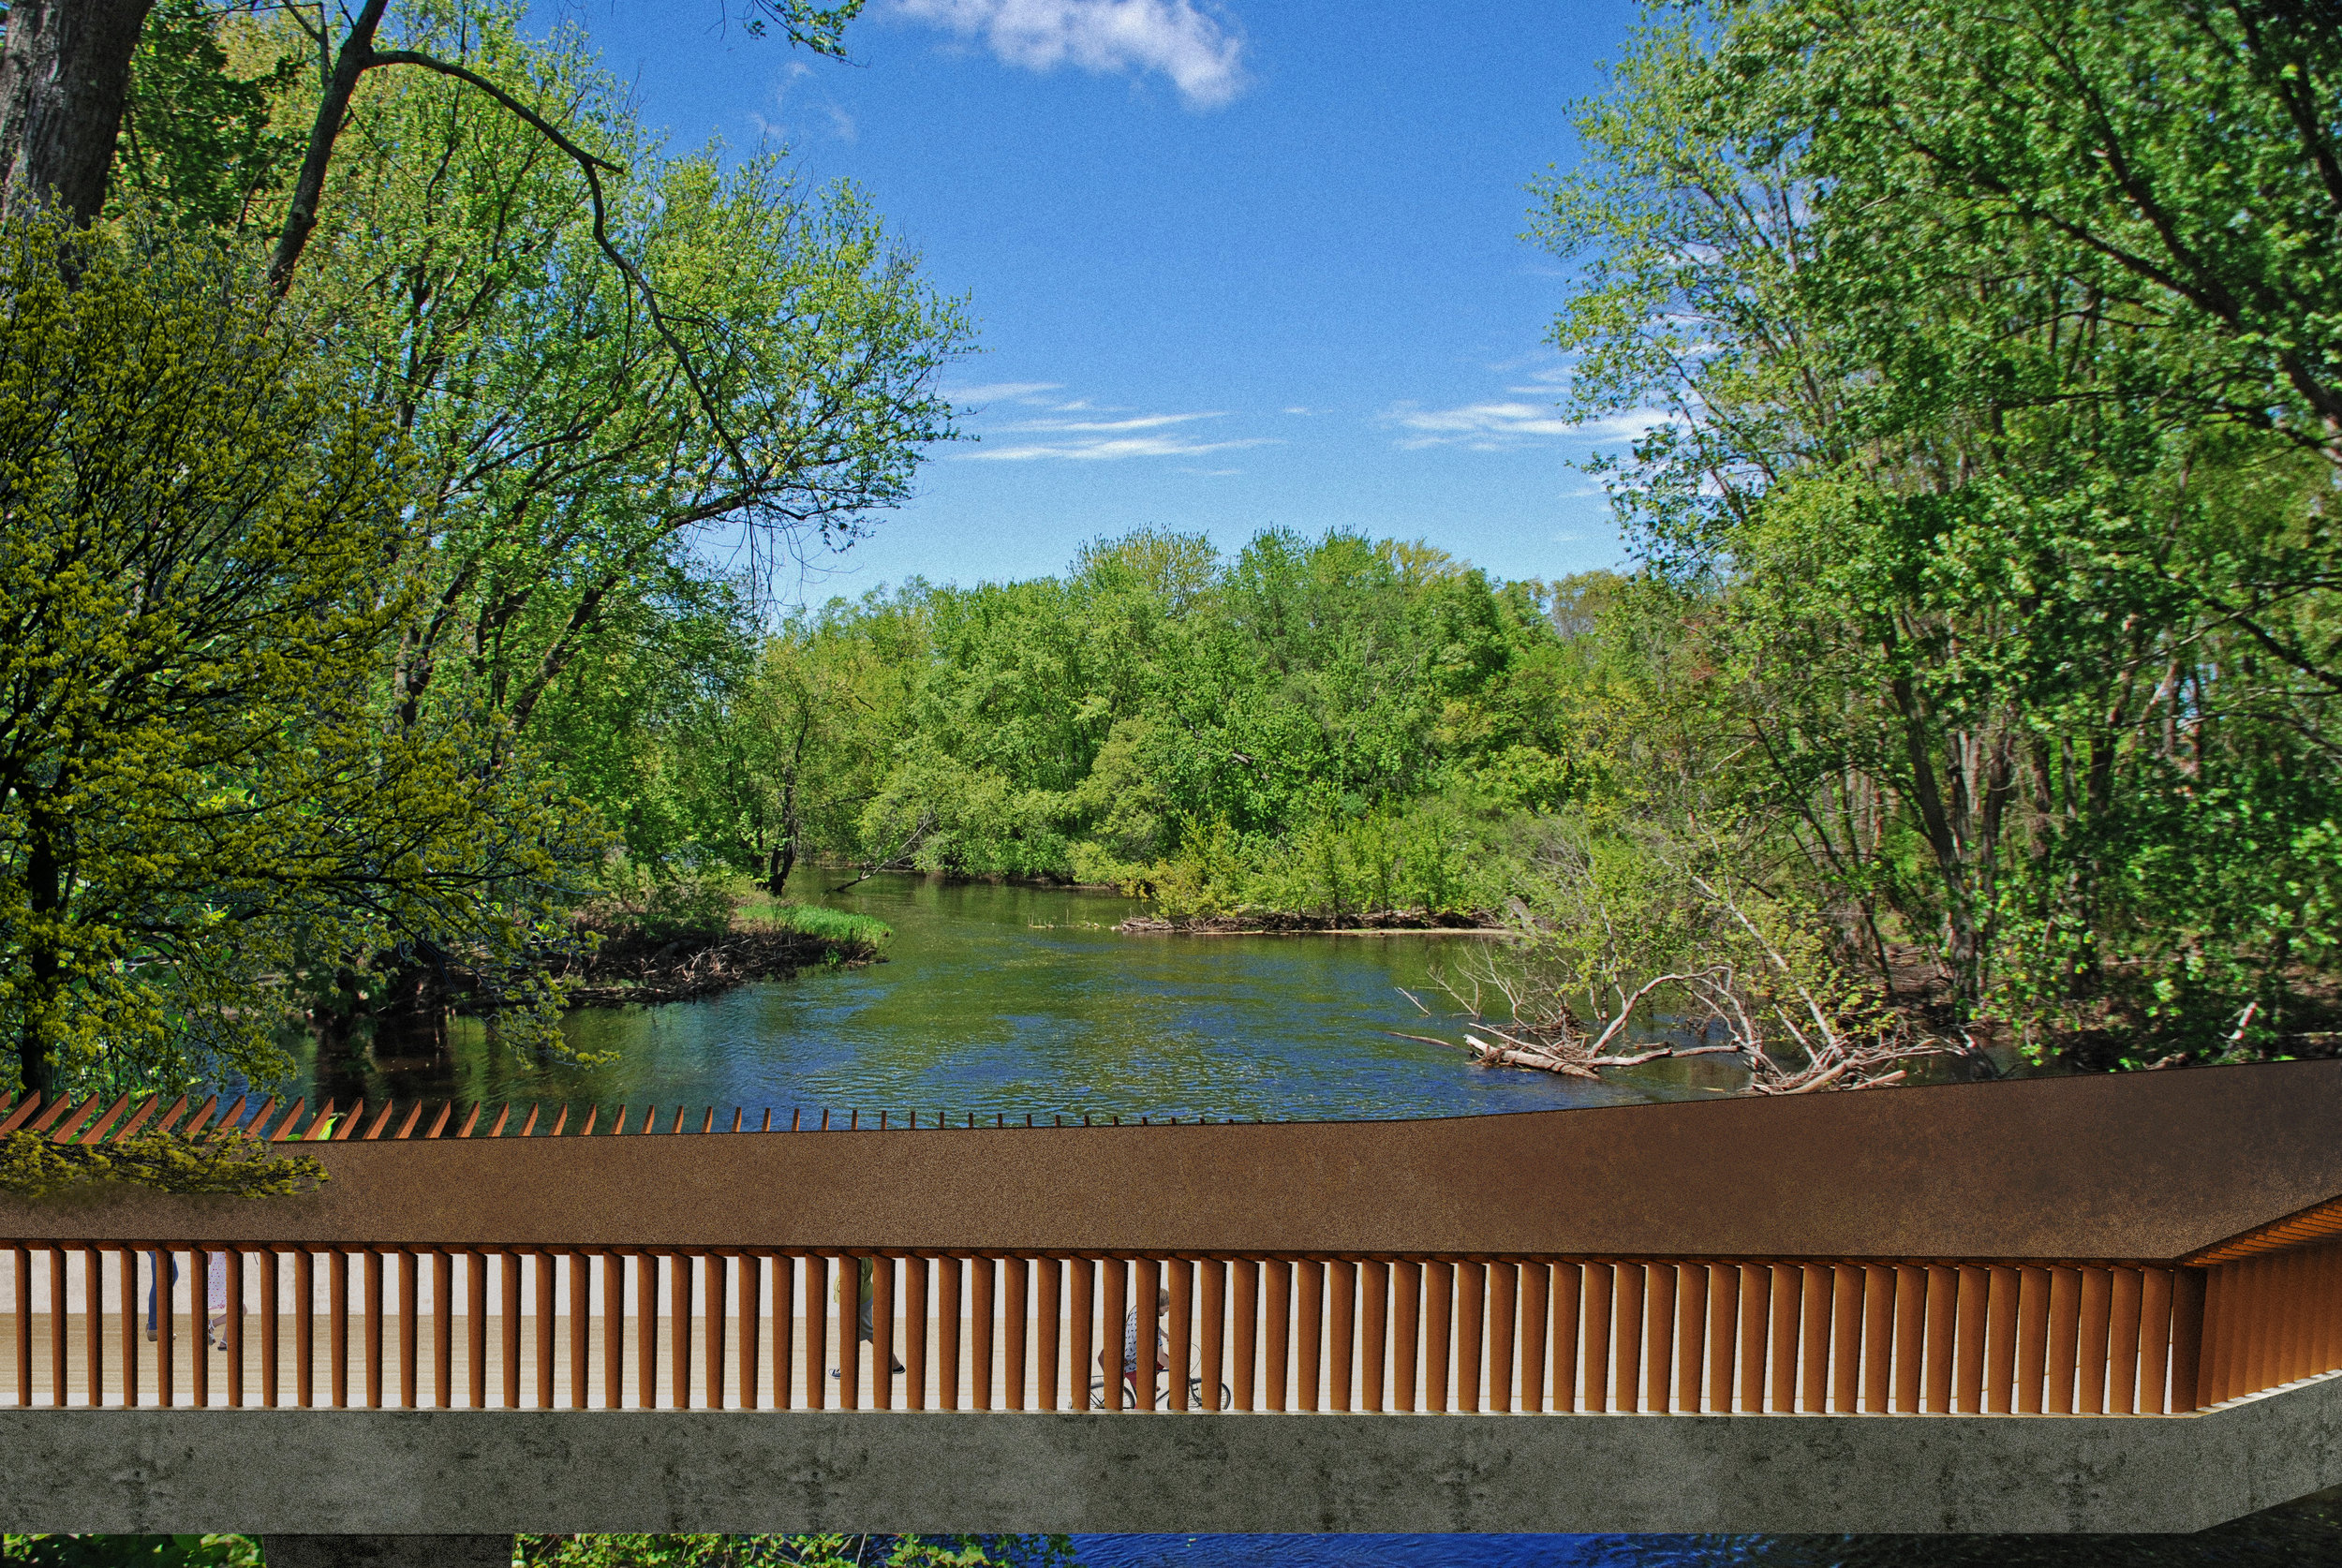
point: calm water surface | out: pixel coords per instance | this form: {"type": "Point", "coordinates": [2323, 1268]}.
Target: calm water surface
{"type": "Point", "coordinates": [1018, 1000]}
{"type": "Point", "coordinates": [1013, 1001]}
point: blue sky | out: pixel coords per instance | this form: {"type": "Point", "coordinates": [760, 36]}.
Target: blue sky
{"type": "Point", "coordinates": [1232, 265]}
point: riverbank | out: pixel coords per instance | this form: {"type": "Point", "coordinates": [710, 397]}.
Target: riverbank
{"type": "Point", "coordinates": [632, 967]}
{"type": "Point", "coordinates": [1253, 923]}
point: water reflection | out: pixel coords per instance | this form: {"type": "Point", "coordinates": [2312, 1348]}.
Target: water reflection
{"type": "Point", "coordinates": [2306, 1531]}
{"type": "Point", "coordinates": [1009, 1001]}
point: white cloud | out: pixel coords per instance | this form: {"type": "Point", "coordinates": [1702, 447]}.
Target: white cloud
{"type": "Point", "coordinates": [1143, 421]}
{"type": "Point", "coordinates": [1200, 53]}
{"type": "Point", "coordinates": [1002, 392]}
{"type": "Point", "coordinates": [1110, 450]}
{"type": "Point", "coordinates": [1502, 427]}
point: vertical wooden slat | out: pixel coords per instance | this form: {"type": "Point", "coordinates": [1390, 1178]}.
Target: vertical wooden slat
{"type": "Point", "coordinates": [21, 1266]}
{"type": "Point", "coordinates": [269, 1277]}
{"type": "Point", "coordinates": [1471, 1332]}
{"type": "Point", "coordinates": [1565, 1343]}
{"type": "Point", "coordinates": [815, 1348]}
{"type": "Point", "coordinates": [1404, 1334]}
{"type": "Point", "coordinates": [1049, 1347]}
{"type": "Point", "coordinates": [1113, 1365]}
{"type": "Point", "coordinates": [1439, 1302]}
{"type": "Point", "coordinates": [1848, 1287]}
{"type": "Point", "coordinates": [1374, 1334]}
{"type": "Point", "coordinates": [1878, 1336]}
{"type": "Point", "coordinates": [1081, 1290]}
{"type": "Point", "coordinates": [1504, 1302]}
{"type": "Point", "coordinates": [93, 1334]}
{"type": "Point", "coordinates": [1180, 1276]}
{"type": "Point", "coordinates": [2062, 1353]}
{"type": "Point", "coordinates": [373, 1307]}
{"type": "Point", "coordinates": [443, 1329]}
{"type": "Point", "coordinates": [1756, 1307]}
{"type": "Point", "coordinates": [752, 1332]}
{"type": "Point", "coordinates": [1814, 1337]}
{"type": "Point", "coordinates": [1212, 1283]}
{"type": "Point", "coordinates": [1626, 1315]}
{"type": "Point", "coordinates": [983, 1314]}
{"type": "Point", "coordinates": [679, 1283]}
{"type": "Point", "coordinates": [165, 1264]}
{"type": "Point", "coordinates": [1910, 1337]}
{"type": "Point", "coordinates": [1943, 1338]}
{"type": "Point", "coordinates": [1691, 1338]}
{"type": "Point", "coordinates": [1341, 1335]}
{"type": "Point", "coordinates": [1247, 1336]}
{"type": "Point", "coordinates": [2033, 1304]}
{"type": "Point", "coordinates": [304, 1329]}
{"type": "Point", "coordinates": [1276, 1332]}
{"type": "Point", "coordinates": [1658, 1338]}
{"type": "Point", "coordinates": [1722, 1308]}
{"type": "Point", "coordinates": [1970, 1335]}
{"type": "Point", "coordinates": [2002, 1304]}
{"type": "Point", "coordinates": [476, 1323]}
{"type": "Point", "coordinates": [2188, 1328]}
{"type": "Point", "coordinates": [1153, 1283]}
{"type": "Point", "coordinates": [126, 1282]}
{"type": "Point", "coordinates": [547, 1358]}
{"type": "Point", "coordinates": [881, 1335]}
{"type": "Point", "coordinates": [1309, 1333]}
{"type": "Point", "coordinates": [337, 1326]}
{"type": "Point", "coordinates": [1781, 1393]}
{"type": "Point", "coordinates": [2090, 1355]}
{"type": "Point", "coordinates": [915, 1328]}
{"type": "Point", "coordinates": [2122, 1346]}
{"type": "Point", "coordinates": [1594, 1350]}
{"type": "Point", "coordinates": [60, 1328]}
{"type": "Point", "coordinates": [2155, 1342]}
{"type": "Point", "coordinates": [410, 1307]}
{"type": "Point", "coordinates": [1537, 1289]}
{"type": "Point", "coordinates": [947, 1332]}
{"type": "Point", "coordinates": [786, 1370]}
{"type": "Point", "coordinates": [1015, 1322]}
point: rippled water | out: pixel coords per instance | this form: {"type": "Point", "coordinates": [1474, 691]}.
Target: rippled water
{"type": "Point", "coordinates": [2306, 1533]}
{"type": "Point", "coordinates": [1019, 1000]}
{"type": "Point", "coordinates": [1014, 1001]}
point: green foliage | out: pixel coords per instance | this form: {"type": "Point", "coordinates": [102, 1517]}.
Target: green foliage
{"type": "Point", "coordinates": [198, 796]}
{"type": "Point", "coordinates": [1331, 728]}
{"type": "Point", "coordinates": [793, 1552]}
{"type": "Point", "coordinates": [1992, 525]}
{"type": "Point", "coordinates": [132, 1551]}
{"type": "Point", "coordinates": [196, 141]}
{"type": "Point", "coordinates": [223, 1162]}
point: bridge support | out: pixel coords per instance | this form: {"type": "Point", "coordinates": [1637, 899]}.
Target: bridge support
{"type": "Point", "coordinates": [386, 1552]}
{"type": "Point", "coordinates": [151, 1470]}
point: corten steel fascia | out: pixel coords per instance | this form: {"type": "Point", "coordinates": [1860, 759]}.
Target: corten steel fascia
{"type": "Point", "coordinates": [2158, 1167]}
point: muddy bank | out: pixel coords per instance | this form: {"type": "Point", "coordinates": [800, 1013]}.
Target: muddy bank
{"type": "Point", "coordinates": [1377, 923]}
{"type": "Point", "coordinates": [629, 969]}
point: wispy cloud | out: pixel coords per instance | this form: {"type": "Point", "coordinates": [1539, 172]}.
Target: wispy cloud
{"type": "Point", "coordinates": [1030, 420]}
{"type": "Point", "coordinates": [1196, 48]}
{"type": "Point", "coordinates": [1526, 414]}
{"type": "Point", "coordinates": [1001, 392]}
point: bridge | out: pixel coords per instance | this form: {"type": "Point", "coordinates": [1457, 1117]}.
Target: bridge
{"type": "Point", "coordinates": [2084, 1304]}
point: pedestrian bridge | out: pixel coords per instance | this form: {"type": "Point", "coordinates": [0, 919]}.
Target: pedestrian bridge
{"type": "Point", "coordinates": [2084, 1304]}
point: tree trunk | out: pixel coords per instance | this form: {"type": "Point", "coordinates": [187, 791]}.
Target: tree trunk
{"type": "Point", "coordinates": [63, 77]}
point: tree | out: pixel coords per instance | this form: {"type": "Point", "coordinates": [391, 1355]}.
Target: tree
{"type": "Point", "coordinates": [199, 801]}
{"type": "Point", "coordinates": [64, 72]}
{"type": "Point", "coordinates": [2005, 543]}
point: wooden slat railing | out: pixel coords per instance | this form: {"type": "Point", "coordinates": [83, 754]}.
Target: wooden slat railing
{"type": "Point", "coordinates": [551, 1329]}
{"type": "Point", "coordinates": [1004, 1272]}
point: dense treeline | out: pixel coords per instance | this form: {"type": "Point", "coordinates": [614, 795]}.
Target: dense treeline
{"type": "Point", "coordinates": [1989, 519]}
{"type": "Point", "coordinates": [389, 370]}
{"type": "Point", "coordinates": [1330, 729]}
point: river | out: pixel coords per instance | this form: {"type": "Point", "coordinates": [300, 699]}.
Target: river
{"type": "Point", "coordinates": [1014, 1001]}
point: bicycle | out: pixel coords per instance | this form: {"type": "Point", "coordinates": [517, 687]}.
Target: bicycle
{"type": "Point", "coordinates": [1163, 1398]}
